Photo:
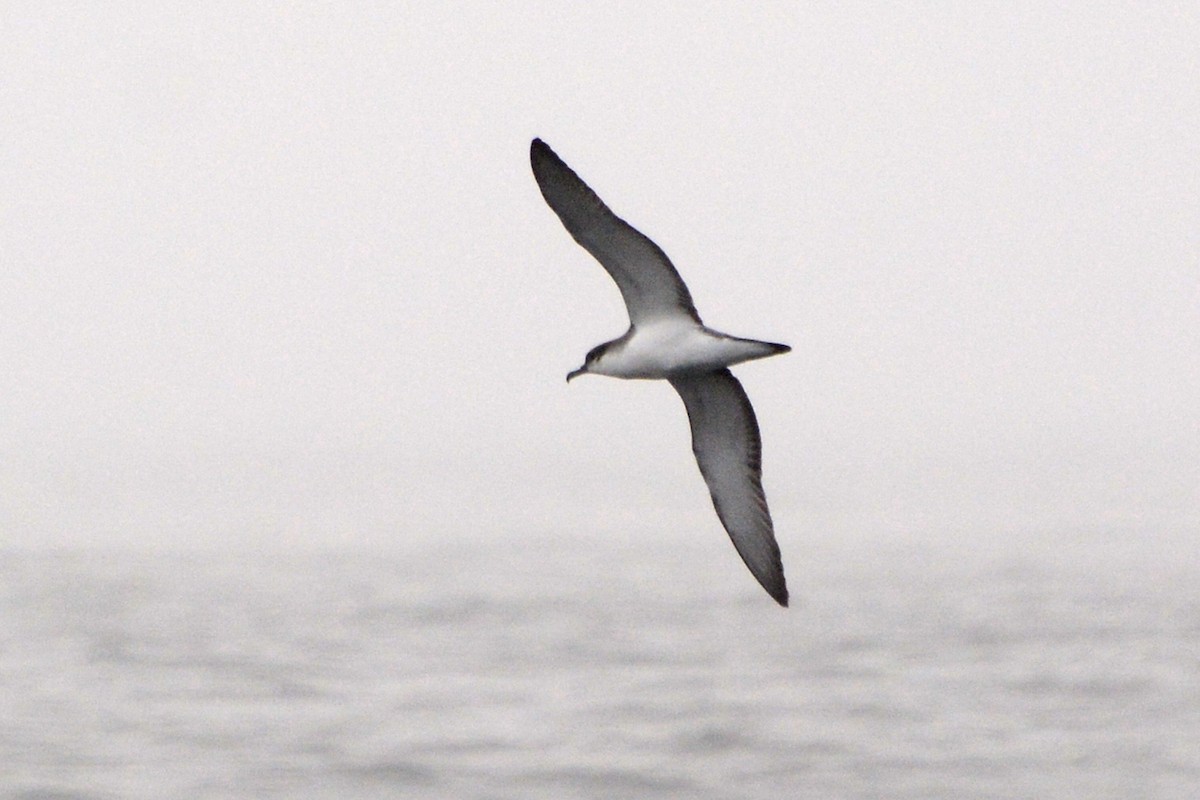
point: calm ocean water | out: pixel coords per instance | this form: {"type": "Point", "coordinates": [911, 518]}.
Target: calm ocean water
{"type": "Point", "coordinates": [596, 670]}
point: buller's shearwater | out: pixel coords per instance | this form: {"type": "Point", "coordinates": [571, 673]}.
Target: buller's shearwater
{"type": "Point", "coordinates": [666, 340]}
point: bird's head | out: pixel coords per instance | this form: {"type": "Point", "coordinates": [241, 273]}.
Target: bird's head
{"type": "Point", "coordinates": [593, 357]}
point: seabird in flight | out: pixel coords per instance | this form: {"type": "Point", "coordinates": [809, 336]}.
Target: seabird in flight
{"type": "Point", "coordinates": [666, 340]}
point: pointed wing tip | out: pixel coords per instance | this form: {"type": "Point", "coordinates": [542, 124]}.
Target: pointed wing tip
{"type": "Point", "coordinates": [547, 166]}
{"type": "Point", "coordinates": [539, 150]}
{"type": "Point", "coordinates": [776, 586]}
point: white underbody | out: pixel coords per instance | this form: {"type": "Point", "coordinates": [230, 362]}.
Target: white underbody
{"type": "Point", "coordinates": [673, 346]}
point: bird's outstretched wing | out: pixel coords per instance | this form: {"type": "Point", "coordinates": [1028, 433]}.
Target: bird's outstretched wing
{"type": "Point", "coordinates": [729, 451]}
{"type": "Point", "coordinates": [651, 287]}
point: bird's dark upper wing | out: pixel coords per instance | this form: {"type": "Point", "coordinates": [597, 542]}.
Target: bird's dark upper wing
{"type": "Point", "coordinates": [728, 449]}
{"type": "Point", "coordinates": [651, 287]}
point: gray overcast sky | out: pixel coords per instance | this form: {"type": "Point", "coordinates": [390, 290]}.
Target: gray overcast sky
{"type": "Point", "coordinates": [280, 273]}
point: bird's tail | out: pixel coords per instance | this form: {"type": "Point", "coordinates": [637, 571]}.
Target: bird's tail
{"type": "Point", "coordinates": [760, 349]}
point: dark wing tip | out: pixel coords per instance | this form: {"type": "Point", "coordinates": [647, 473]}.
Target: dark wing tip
{"type": "Point", "coordinates": [780, 594]}
{"type": "Point", "coordinates": [780, 349]}
{"type": "Point", "coordinates": [540, 151]}
{"type": "Point", "coordinates": [773, 581]}
{"type": "Point", "coordinates": [548, 167]}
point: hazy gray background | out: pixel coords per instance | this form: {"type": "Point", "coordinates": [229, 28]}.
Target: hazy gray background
{"type": "Point", "coordinates": [280, 275]}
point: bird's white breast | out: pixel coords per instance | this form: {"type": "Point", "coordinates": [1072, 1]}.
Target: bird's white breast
{"type": "Point", "coordinates": [663, 348]}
